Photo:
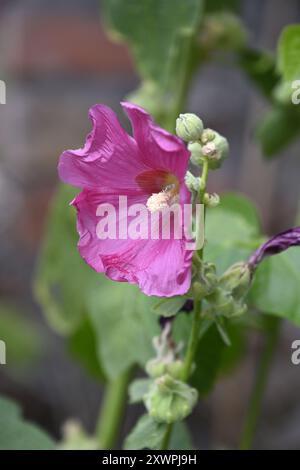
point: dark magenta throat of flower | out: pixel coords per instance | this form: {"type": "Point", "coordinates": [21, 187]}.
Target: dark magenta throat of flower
{"type": "Point", "coordinates": [275, 245]}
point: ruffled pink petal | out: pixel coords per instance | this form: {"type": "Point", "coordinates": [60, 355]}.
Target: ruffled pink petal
{"type": "Point", "coordinates": [159, 149]}
{"type": "Point", "coordinates": [169, 273]}
{"type": "Point", "coordinates": [102, 254]}
{"type": "Point", "coordinates": [159, 267]}
{"type": "Point", "coordinates": [109, 160]}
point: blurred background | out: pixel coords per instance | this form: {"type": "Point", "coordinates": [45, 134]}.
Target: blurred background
{"type": "Point", "coordinates": [57, 61]}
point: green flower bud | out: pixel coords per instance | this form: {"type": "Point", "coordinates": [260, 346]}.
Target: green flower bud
{"type": "Point", "coordinates": [175, 369]}
{"type": "Point", "coordinates": [210, 273]}
{"type": "Point", "coordinates": [204, 280]}
{"type": "Point", "coordinates": [155, 368]}
{"type": "Point", "coordinates": [75, 438]}
{"type": "Point", "coordinates": [236, 280]}
{"type": "Point", "coordinates": [196, 153]}
{"type": "Point", "coordinates": [199, 290]}
{"type": "Point", "coordinates": [192, 182]}
{"type": "Point", "coordinates": [170, 400]}
{"type": "Point", "coordinates": [216, 151]}
{"type": "Point", "coordinates": [207, 136]}
{"type": "Point", "coordinates": [224, 31]}
{"type": "Point", "coordinates": [223, 303]}
{"type": "Point", "coordinates": [211, 200]}
{"type": "Point", "coordinates": [189, 127]}
{"type": "Point", "coordinates": [239, 309]}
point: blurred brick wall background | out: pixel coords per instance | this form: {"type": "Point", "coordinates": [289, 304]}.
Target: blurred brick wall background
{"type": "Point", "coordinates": [57, 61]}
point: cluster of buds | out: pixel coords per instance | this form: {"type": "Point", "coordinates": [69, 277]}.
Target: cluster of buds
{"type": "Point", "coordinates": [168, 398]}
{"type": "Point", "coordinates": [212, 147]}
{"type": "Point", "coordinates": [166, 360]}
{"type": "Point", "coordinates": [204, 144]}
{"type": "Point", "coordinates": [223, 295]}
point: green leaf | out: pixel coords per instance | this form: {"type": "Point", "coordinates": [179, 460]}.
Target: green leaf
{"type": "Point", "coordinates": [17, 434]}
{"type": "Point", "coordinates": [289, 52]}
{"type": "Point", "coordinates": [207, 359]}
{"type": "Point", "coordinates": [232, 355]}
{"type": "Point", "coordinates": [63, 281]}
{"type": "Point", "coordinates": [153, 29]}
{"type": "Point", "coordinates": [147, 434]}
{"type": "Point", "coordinates": [281, 125]}
{"type": "Point", "coordinates": [222, 331]}
{"type": "Point", "coordinates": [137, 389]}
{"type": "Point", "coordinates": [240, 204]}
{"type": "Point", "coordinates": [278, 129]}
{"type": "Point", "coordinates": [124, 324]}
{"type": "Point", "coordinates": [20, 335]}
{"type": "Point", "coordinates": [232, 231]}
{"type": "Point", "coordinates": [83, 346]}
{"type": "Point", "coordinates": [169, 307]}
{"type": "Point", "coordinates": [214, 357]}
{"type": "Point", "coordinates": [181, 327]}
{"type": "Point", "coordinates": [275, 289]}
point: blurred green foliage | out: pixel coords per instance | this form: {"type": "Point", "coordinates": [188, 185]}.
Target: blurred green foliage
{"type": "Point", "coordinates": [83, 346]}
{"type": "Point", "coordinates": [21, 336]}
{"type": "Point", "coordinates": [161, 36]}
{"type": "Point", "coordinates": [281, 125]}
{"type": "Point", "coordinates": [154, 31]}
{"type": "Point", "coordinates": [17, 434]}
{"type": "Point", "coordinates": [63, 282]}
{"type": "Point", "coordinates": [289, 53]}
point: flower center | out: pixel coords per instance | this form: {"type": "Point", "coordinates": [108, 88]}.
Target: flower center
{"type": "Point", "coordinates": [163, 199]}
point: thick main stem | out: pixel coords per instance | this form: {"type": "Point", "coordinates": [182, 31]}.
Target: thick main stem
{"type": "Point", "coordinates": [112, 411]}
{"type": "Point", "coordinates": [194, 335]}
{"type": "Point", "coordinates": [262, 374]}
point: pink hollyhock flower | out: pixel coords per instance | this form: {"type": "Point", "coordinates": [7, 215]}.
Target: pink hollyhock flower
{"type": "Point", "coordinates": [148, 168]}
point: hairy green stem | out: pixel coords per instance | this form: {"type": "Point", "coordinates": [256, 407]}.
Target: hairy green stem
{"type": "Point", "coordinates": [203, 184]}
{"type": "Point", "coordinates": [265, 362]}
{"type": "Point", "coordinates": [193, 342]}
{"type": "Point", "coordinates": [112, 411]}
